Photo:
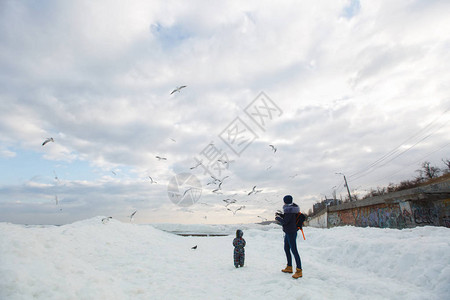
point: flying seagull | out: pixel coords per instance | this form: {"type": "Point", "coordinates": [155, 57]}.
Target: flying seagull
{"type": "Point", "coordinates": [225, 162]}
{"type": "Point", "coordinates": [195, 247]}
{"type": "Point", "coordinates": [229, 201]}
{"type": "Point", "coordinates": [151, 180]}
{"type": "Point", "coordinates": [235, 211]}
{"type": "Point", "coordinates": [177, 89]}
{"type": "Point", "coordinates": [214, 181]}
{"type": "Point", "coordinates": [198, 164]}
{"type": "Point", "coordinates": [274, 149]}
{"type": "Point", "coordinates": [113, 172]}
{"type": "Point", "coordinates": [56, 176]}
{"type": "Point", "coordinates": [184, 194]}
{"type": "Point", "coordinates": [47, 141]}
{"type": "Point", "coordinates": [216, 191]}
{"type": "Point", "coordinates": [173, 140]}
{"type": "Point", "coordinates": [132, 215]}
{"type": "Point", "coordinates": [254, 191]}
{"type": "Point", "coordinates": [160, 158]}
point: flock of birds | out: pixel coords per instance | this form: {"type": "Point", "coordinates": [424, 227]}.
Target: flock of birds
{"type": "Point", "coordinates": [215, 181]}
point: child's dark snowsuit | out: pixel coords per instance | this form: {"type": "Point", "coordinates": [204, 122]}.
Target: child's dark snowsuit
{"type": "Point", "coordinates": [239, 252]}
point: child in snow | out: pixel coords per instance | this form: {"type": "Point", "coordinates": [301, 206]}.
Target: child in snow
{"type": "Point", "coordinates": [239, 252]}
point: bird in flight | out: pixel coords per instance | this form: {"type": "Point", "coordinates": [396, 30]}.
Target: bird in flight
{"type": "Point", "coordinates": [216, 191]}
{"type": "Point", "coordinates": [229, 201]}
{"type": "Point", "coordinates": [48, 141]}
{"type": "Point", "coordinates": [184, 194]}
{"type": "Point", "coordinates": [214, 181]}
{"type": "Point", "coordinates": [161, 158]}
{"type": "Point", "coordinates": [254, 191]}
{"type": "Point", "coordinates": [225, 162]}
{"type": "Point", "coordinates": [177, 89]}
{"type": "Point", "coordinates": [236, 210]}
{"type": "Point", "coordinates": [151, 180]}
{"type": "Point", "coordinates": [195, 247]}
{"type": "Point", "coordinates": [274, 149]}
{"type": "Point", "coordinates": [198, 164]}
{"type": "Point", "coordinates": [132, 215]}
{"type": "Point", "coordinates": [56, 177]}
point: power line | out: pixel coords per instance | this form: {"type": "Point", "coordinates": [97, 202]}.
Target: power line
{"type": "Point", "coordinates": [373, 166]}
{"type": "Point", "coordinates": [401, 153]}
{"type": "Point", "coordinates": [420, 160]}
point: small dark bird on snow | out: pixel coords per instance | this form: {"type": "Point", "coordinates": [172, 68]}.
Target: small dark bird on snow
{"type": "Point", "coordinates": [105, 220]}
{"type": "Point", "coordinates": [195, 247]}
{"type": "Point", "coordinates": [47, 141]}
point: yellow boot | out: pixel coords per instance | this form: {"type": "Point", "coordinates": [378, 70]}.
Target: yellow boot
{"type": "Point", "coordinates": [298, 274]}
{"type": "Point", "coordinates": [288, 269]}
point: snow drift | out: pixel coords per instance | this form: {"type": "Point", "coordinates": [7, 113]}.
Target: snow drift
{"type": "Point", "coordinates": [92, 260]}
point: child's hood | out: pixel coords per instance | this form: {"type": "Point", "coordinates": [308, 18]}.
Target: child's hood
{"type": "Point", "coordinates": [239, 233]}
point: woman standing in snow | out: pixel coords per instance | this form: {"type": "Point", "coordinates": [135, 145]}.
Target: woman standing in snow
{"type": "Point", "coordinates": [239, 251]}
{"type": "Point", "coordinates": [288, 220]}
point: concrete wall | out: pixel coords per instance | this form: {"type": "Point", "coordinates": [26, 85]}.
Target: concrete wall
{"type": "Point", "coordinates": [428, 205]}
{"type": "Point", "coordinates": [320, 220]}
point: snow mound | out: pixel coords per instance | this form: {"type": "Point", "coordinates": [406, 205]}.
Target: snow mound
{"type": "Point", "coordinates": [92, 259]}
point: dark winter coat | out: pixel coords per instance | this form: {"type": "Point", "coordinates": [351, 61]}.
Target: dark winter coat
{"type": "Point", "coordinates": [239, 252]}
{"type": "Point", "coordinates": [288, 218]}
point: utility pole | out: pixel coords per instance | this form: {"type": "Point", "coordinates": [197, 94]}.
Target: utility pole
{"type": "Point", "coordinates": [346, 185]}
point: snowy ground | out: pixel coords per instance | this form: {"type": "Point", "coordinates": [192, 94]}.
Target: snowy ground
{"type": "Point", "coordinates": [91, 260]}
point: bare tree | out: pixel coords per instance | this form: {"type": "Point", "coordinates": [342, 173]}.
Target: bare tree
{"type": "Point", "coordinates": [428, 171]}
{"type": "Point", "coordinates": [447, 164]}
{"type": "Point", "coordinates": [334, 193]}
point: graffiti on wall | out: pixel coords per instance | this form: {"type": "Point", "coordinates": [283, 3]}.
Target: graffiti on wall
{"type": "Point", "coordinates": [425, 213]}
{"type": "Point", "coordinates": [395, 215]}
{"type": "Point", "coordinates": [398, 215]}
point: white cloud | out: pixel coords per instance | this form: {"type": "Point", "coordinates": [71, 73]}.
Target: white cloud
{"type": "Point", "coordinates": [96, 76]}
{"type": "Point", "coordinates": [7, 153]}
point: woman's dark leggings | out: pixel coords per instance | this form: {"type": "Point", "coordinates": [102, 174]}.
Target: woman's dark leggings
{"type": "Point", "coordinates": [290, 244]}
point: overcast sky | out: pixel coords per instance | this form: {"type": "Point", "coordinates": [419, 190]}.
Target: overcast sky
{"type": "Point", "coordinates": [356, 87]}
